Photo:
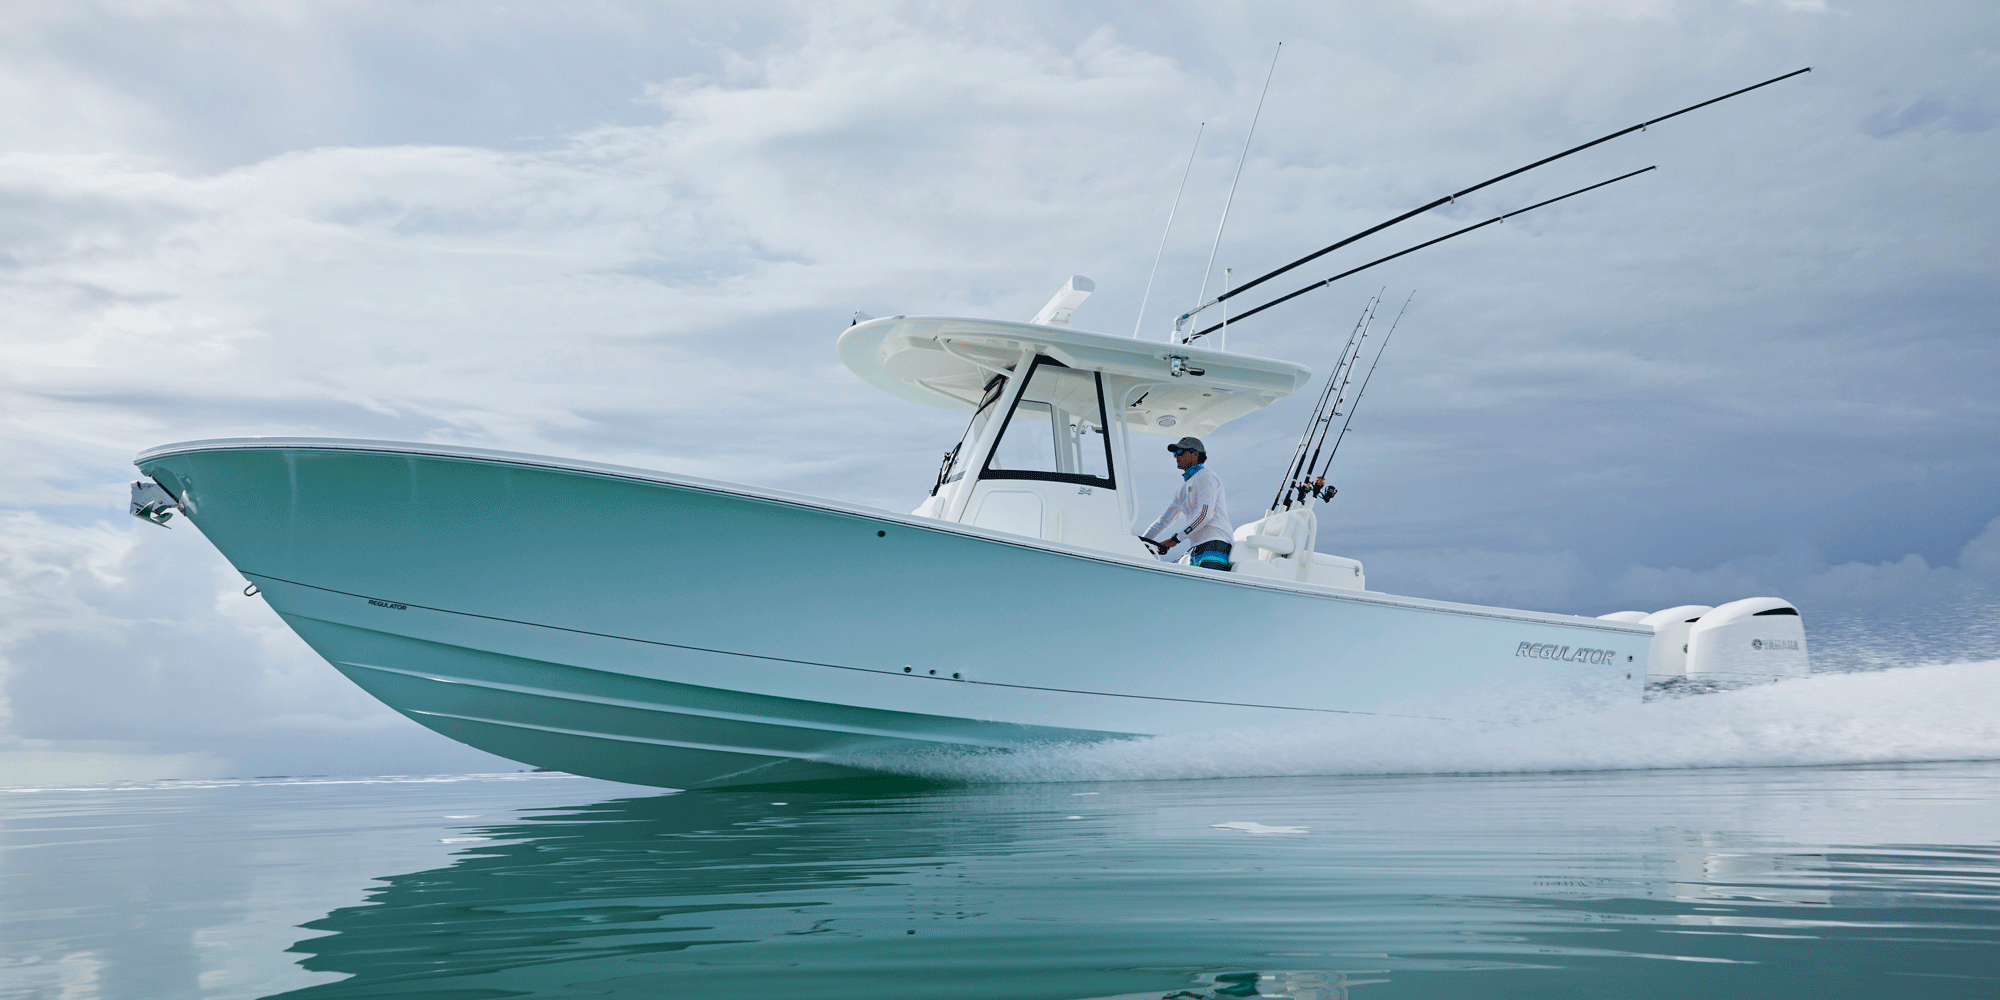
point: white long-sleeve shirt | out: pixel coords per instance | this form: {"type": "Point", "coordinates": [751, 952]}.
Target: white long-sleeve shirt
{"type": "Point", "coordinates": [1199, 503]}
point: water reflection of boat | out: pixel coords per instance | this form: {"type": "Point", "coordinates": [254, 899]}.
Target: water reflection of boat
{"type": "Point", "coordinates": [670, 631]}
{"type": "Point", "coordinates": [1456, 886]}
{"type": "Point", "coordinates": [820, 894]}
{"type": "Point", "coordinates": [1711, 868]}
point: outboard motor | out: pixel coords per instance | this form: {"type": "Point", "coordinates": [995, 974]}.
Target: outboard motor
{"type": "Point", "coordinates": [1668, 659]}
{"type": "Point", "coordinates": [1756, 640]}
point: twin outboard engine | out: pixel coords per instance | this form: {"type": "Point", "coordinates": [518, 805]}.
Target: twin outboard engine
{"type": "Point", "coordinates": [1697, 648]}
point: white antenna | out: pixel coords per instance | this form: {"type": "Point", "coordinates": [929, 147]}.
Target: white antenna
{"type": "Point", "coordinates": [1222, 341]}
{"type": "Point", "coordinates": [1239, 175]}
{"type": "Point", "coordinates": [1141, 321]}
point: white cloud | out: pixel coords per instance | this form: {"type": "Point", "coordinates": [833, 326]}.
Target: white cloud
{"type": "Point", "coordinates": [1982, 554]}
{"type": "Point", "coordinates": [128, 645]}
{"type": "Point", "coordinates": [1808, 582]}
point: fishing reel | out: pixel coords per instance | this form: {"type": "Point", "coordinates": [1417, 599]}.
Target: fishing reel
{"type": "Point", "coordinates": [1316, 489]}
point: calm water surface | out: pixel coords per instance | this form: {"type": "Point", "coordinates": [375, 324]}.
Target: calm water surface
{"type": "Point", "coordinates": [1756, 882]}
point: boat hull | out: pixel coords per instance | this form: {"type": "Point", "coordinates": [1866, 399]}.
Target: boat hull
{"type": "Point", "coordinates": [668, 631]}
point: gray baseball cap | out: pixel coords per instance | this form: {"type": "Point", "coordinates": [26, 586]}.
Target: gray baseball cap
{"type": "Point", "coordinates": [1188, 444]}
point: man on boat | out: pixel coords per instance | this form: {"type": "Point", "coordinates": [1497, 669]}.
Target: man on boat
{"type": "Point", "coordinates": [1199, 504]}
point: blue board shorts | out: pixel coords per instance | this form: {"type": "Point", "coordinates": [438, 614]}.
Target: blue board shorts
{"type": "Point", "coordinates": [1210, 555]}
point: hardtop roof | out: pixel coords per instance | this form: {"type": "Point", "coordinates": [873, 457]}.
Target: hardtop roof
{"type": "Point", "coordinates": [946, 362]}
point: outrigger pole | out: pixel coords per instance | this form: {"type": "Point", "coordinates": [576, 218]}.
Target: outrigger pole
{"type": "Point", "coordinates": [1447, 199]}
{"type": "Point", "coordinates": [1383, 260]}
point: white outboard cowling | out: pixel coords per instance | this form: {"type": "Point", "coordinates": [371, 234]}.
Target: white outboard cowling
{"type": "Point", "coordinates": [1668, 658]}
{"type": "Point", "coordinates": [1756, 640]}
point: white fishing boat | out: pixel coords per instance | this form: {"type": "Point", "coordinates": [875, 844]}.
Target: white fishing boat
{"type": "Point", "coordinates": [665, 630]}
{"type": "Point", "coordinates": [660, 629]}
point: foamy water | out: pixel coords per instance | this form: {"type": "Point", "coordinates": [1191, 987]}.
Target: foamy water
{"type": "Point", "coordinates": [1910, 714]}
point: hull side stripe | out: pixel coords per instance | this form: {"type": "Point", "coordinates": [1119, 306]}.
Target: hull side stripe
{"type": "Point", "coordinates": [746, 751]}
{"type": "Point", "coordinates": [670, 709]}
{"type": "Point", "coordinates": [837, 666]}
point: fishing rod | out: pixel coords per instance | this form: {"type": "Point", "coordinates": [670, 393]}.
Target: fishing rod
{"type": "Point", "coordinates": [1363, 391]}
{"type": "Point", "coordinates": [1302, 487]}
{"type": "Point", "coordinates": [1454, 196]}
{"type": "Point", "coordinates": [1383, 260]}
{"type": "Point", "coordinates": [1297, 461]}
{"type": "Point", "coordinates": [1295, 466]}
{"type": "Point", "coordinates": [1329, 403]}
{"type": "Point", "coordinates": [1346, 378]}
{"type": "Point", "coordinates": [1324, 409]}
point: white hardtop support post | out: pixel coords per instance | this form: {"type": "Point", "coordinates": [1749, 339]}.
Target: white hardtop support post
{"type": "Point", "coordinates": [1128, 491]}
{"type": "Point", "coordinates": [1065, 301]}
{"type": "Point", "coordinates": [989, 436]}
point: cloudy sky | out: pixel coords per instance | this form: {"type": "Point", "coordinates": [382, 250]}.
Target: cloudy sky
{"type": "Point", "coordinates": [630, 232]}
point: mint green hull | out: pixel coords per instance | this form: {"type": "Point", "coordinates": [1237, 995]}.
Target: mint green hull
{"type": "Point", "coordinates": [665, 631]}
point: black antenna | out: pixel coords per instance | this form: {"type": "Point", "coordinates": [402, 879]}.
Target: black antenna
{"type": "Point", "coordinates": [1414, 249]}
{"type": "Point", "coordinates": [1364, 387]}
{"type": "Point", "coordinates": [1454, 196]}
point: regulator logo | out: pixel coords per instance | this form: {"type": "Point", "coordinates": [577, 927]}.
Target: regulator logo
{"type": "Point", "coordinates": [1551, 651]}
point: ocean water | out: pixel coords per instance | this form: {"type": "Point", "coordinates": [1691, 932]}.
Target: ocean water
{"type": "Point", "coordinates": [1834, 837]}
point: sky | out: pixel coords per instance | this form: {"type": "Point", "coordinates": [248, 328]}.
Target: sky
{"type": "Point", "coordinates": [631, 232]}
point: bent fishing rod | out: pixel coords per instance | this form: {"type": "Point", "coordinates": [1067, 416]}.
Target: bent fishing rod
{"type": "Point", "coordinates": [1454, 196]}
{"type": "Point", "coordinates": [1384, 260]}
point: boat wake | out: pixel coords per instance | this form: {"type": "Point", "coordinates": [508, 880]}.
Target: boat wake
{"type": "Point", "coordinates": [1908, 714]}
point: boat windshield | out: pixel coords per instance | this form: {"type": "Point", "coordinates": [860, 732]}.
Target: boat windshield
{"type": "Point", "coordinates": [959, 457]}
{"type": "Point", "coordinates": [1056, 430]}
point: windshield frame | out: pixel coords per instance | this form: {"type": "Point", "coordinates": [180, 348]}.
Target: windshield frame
{"type": "Point", "coordinates": [1108, 481]}
{"type": "Point", "coordinates": [956, 459]}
